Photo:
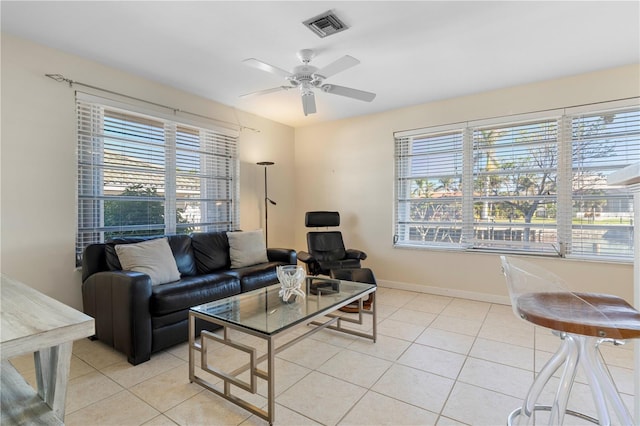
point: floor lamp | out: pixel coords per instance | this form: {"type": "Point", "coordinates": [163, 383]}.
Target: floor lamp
{"type": "Point", "coordinates": [266, 200]}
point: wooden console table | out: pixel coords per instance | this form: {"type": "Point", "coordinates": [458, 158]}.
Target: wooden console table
{"type": "Point", "coordinates": [32, 322]}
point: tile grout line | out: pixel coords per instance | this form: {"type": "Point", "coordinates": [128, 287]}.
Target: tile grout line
{"type": "Point", "coordinates": [466, 358]}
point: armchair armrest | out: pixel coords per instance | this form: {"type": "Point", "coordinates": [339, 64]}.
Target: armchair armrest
{"type": "Point", "coordinates": [313, 267]}
{"type": "Point", "coordinates": [282, 255]}
{"type": "Point", "coordinates": [356, 254]}
{"type": "Point", "coordinates": [305, 257]}
{"type": "Point", "coordinates": [119, 303]}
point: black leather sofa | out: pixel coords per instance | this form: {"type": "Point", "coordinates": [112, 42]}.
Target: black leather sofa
{"type": "Point", "coordinates": [139, 319]}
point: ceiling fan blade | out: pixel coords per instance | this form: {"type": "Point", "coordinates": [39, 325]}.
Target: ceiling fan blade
{"type": "Point", "coordinates": [255, 63]}
{"type": "Point", "coordinates": [265, 91]}
{"type": "Point", "coordinates": [308, 103]}
{"type": "Point", "coordinates": [337, 66]}
{"type": "Point", "coordinates": [360, 95]}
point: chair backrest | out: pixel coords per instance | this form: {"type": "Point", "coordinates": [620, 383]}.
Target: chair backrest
{"type": "Point", "coordinates": [326, 246]}
{"type": "Point", "coordinates": [524, 277]}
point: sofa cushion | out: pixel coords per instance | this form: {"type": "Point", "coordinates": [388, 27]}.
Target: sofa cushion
{"type": "Point", "coordinates": [153, 257]}
{"type": "Point", "coordinates": [256, 276]}
{"type": "Point", "coordinates": [191, 291]}
{"type": "Point", "coordinates": [159, 321]}
{"type": "Point", "coordinates": [211, 251]}
{"type": "Point", "coordinates": [246, 248]}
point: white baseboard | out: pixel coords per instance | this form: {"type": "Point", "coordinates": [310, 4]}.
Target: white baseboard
{"type": "Point", "coordinates": [463, 294]}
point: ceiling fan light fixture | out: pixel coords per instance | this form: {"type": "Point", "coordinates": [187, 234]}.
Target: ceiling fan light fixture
{"type": "Point", "coordinates": [308, 103]}
{"type": "Point", "coordinates": [325, 24]}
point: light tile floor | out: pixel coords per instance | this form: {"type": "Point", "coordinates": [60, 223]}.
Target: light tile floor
{"type": "Point", "coordinates": [438, 361]}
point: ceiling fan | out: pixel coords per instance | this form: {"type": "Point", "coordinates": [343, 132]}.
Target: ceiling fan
{"type": "Point", "coordinates": [307, 77]}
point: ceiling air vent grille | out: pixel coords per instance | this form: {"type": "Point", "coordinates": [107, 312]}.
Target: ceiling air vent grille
{"type": "Point", "coordinates": [325, 24]}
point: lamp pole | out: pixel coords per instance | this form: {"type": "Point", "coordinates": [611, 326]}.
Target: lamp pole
{"type": "Point", "coordinates": [266, 200]}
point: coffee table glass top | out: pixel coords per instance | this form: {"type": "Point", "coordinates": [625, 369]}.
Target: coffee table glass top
{"type": "Point", "coordinates": [264, 311]}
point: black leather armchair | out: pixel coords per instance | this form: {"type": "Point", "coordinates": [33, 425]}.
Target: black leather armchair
{"type": "Point", "coordinates": [326, 248]}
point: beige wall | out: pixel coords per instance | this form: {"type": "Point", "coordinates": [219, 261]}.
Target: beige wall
{"type": "Point", "coordinates": [38, 162]}
{"type": "Point", "coordinates": [347, 166]}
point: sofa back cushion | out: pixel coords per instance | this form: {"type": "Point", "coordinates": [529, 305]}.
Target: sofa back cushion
{"type": "Point", "coordinates": [110, 250]}
{"type": "Point", "coordinates": [183, 253]}
{"type": "Point", "coordinates": [211, 251]}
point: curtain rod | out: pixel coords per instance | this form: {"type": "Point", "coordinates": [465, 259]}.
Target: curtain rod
{"type": "Point", "coordinates": [62, 79]}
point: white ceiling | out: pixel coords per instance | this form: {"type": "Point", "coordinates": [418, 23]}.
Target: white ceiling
{"type": "Point", "coordinates": [410, 52]}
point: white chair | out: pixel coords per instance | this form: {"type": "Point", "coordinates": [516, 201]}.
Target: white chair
{"type": "Point", "coordinates": [583, 321]}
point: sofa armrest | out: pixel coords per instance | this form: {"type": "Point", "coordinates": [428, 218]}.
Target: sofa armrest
{"type": "Point", "coordinates": [356, 254]}
{"type": "Point", "coordinates": [282, 255]}
{"type": "Point", "coordinates": [119, 303]}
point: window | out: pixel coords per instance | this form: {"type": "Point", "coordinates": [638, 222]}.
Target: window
{"type": "Point", "coordinates": [140, 175]}
{"type": "Point", "coordinates": [531, 184]}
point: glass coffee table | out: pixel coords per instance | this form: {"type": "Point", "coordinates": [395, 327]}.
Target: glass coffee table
{"type": "Point", "coordinates": [263, 314]}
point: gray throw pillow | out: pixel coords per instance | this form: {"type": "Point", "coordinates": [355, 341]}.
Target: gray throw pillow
{"type": "Point", "coordinates": [247, 248]}
{"type": "Point", "coordinates": [153, 257]}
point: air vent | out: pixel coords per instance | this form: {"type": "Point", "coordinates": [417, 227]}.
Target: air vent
{"type": "Point", "coordinates": [325, 24]}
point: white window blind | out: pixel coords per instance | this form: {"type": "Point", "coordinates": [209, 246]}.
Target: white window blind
{"type": "Point", "coordinates": [428, 184]}
{"type": "Point", "coordinates": [140, 175]}
{"type": "Point", "coordinates": [514, 186]}
{"type": "Point", "coordinates": [602, 216]}
{"type": "Point", "coordinates": [535, 184]}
